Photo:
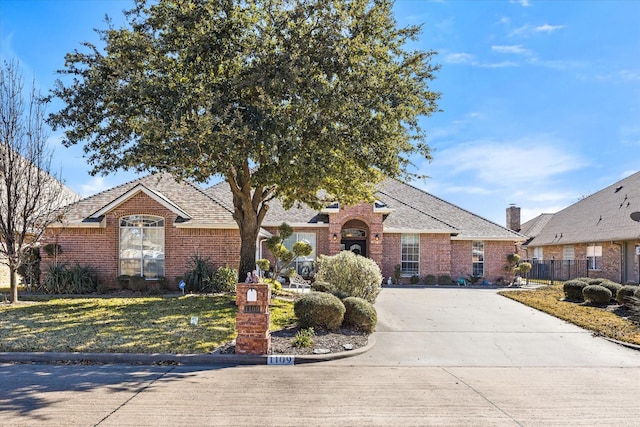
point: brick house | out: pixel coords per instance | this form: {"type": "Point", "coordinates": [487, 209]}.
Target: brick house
{"type": "Point", "coordinates": [153, 225]}
{"type": "Point", "coordinates": [594, 237]}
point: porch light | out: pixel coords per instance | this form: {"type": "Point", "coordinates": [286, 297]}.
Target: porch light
{"type": "Point", "coordinates": [377, 237]}
{"type": "Point", "coordinates": [335, 237]}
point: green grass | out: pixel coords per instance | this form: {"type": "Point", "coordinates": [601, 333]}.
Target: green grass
{"type": "Point", "coordinates": [549, 300]}
{"type": "Point", "coordinates": [126, 325]}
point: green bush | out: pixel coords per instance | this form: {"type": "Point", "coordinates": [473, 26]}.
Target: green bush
{"type": "Point", "coordinates": [593, 281]}
{"type": "Point", "coordinates": [224, 279]}
{"type": "Point", "coordinates": [634, 307]}
{"type": "Point", "coordinates": [304, 338]}
{"type": "Point", "coordinates": [198, 277]}
{"type": "Point", "coordinates": [350, 275]}
{"type": "Point", "coordinates": [596, 294]}
{"type": "Point", "coordinates": [625, 292]}
{"type": "Point", "coordinates": [613, 287]}
{"type": "Point", "coordinates": [430, 280]}
{"type": "Point", "coordinates": [319, 310]}
{"type": "Point", "coordinates": [415, 279]}
{"type": "Point", "coordinates": [63, 279]}
{"type": "Point", "coordinates": [359, 314]}
{"type": "Point", "coordinates": [445, 279]}
{"type": "Point", "coordinates": [573, 289]}
{"type": "Point", "coordinates": [320, 286]}
{"type": "Point", "coordinates": [276, 286]}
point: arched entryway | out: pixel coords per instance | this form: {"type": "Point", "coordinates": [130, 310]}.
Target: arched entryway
{"type": "Point", "coordinates": [354, 237]}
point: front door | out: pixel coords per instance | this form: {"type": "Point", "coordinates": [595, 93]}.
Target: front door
{"type": "Point", "coordinates": [358, 247]}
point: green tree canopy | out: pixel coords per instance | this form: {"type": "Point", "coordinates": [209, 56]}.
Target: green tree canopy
{"type": "Point", "coordinates": [280, 97]}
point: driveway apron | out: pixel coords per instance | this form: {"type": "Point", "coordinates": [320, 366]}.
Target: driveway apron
{"type": "Point", "coordinates": [477, 327]}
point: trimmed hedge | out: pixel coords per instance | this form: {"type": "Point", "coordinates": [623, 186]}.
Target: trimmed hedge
{"type": "Point", "coordinates": [596, 294]}
{"type": "Point", "coordinates": [319, 310]}
{"type": "Point", "coordinates": [320, 286]}
{"type": "Point", "coordinates": [626, 291]}
{"type": "Point", "coordinates": [360, 314]}
{"type": "Point", "coordinates": [445, 279]}
{"type": "Point", "coordinates": [573, 289]}
{"type": "Point", "coordinates": [613, 287]}
{"type": "Point", "coordinates": [430, 280]}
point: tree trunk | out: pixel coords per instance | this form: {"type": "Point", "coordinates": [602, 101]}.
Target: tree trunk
{"type": "Point", "coordinates": [13, 284]}
{"type": "Point", "coordinates": [248, 236]}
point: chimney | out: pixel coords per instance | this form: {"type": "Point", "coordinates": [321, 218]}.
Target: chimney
{"type": "Point", "coordinates": [513, 218]}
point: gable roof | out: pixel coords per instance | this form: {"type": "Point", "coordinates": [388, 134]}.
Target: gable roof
{"type": "Point", "coordinates": [427, 208]}
{"type": "Point", "coordinates": [408, 209]}
{"type": "Point", "coordinates": [193, 207]}
{"type": "Point", "coordinates": [602, 216]}
{"type": "Point", "coordinates": [534, 226]}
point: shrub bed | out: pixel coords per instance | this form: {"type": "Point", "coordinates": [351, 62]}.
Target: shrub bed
{"type": "Point", "coordinates": [596, 294]}
{"type": "Point", "coordinates": [319, 310]}
{"type": "Point", "coordinates": [360, 314]}
{"type": "Point", "coordinates": [625, 292]}
{"type": "Point", "coordinates": [613, 287]}
{"type": "Point", "coordinates": [573, 289]}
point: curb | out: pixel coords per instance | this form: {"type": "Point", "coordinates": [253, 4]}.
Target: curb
{"type": "Point", "coordinates": [177, 359]}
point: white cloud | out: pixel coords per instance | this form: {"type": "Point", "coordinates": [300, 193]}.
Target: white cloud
{"type": "Point", "coordinates": [95, 185]}
{"type": "Point", "coordinates": [523, 3]}
{"type": "Point", "coordinates": [459, 58]}
{"type": "Point", "coordinates": [546, 28]}
{"type": "Point", "coordinates": [515, 49]}
{"type": "Point", "coordinates": [630, 74]}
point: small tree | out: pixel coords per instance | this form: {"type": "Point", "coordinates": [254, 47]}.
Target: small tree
{"type": "Point", "coordinates": [29, 194]}
{"type": "Point", "coordinates": [284, 257]}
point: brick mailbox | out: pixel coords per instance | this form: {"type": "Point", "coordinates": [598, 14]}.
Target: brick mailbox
{"type": "Point", "coordinates": [253, 318]}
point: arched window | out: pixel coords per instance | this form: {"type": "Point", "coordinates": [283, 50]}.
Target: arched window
{"type": "Point", "coordinates": [142, 246]}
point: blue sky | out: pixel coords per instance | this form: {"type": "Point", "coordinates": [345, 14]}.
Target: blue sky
{"type": "Point", "coordinates": [540, 99]}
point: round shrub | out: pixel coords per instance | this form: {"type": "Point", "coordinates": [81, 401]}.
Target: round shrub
{"type": "Point", "coordinates": [360, 314]}
{"type": "Point", "coordinates": [445, 279]}
{"type": "Point", "coordinates": [624, 292]}
{"type": "Point", "coordinates": [596, 294]}
{"type": "Point", "coordinates": [350, 275]}
{"type": "Point", "coordinates": [594, 281]}
{"type": "Point", "coordinates": [319, 310]}
{"type": "Point", "coordinates": [319, 286]}
{"type": "Point", "coordinates": [430, 280]}
{"type": "Point", "coordinates": [613, 287]}
{"type": "Point", "coordinates": [573, 289]}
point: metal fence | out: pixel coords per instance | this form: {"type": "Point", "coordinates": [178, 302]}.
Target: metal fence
{"type": "Point", "coordinates": [551, 270]}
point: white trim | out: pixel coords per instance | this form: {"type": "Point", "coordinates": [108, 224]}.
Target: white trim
{"type": "Point", "coordinates": [158, 197]}
{"type": "Point", "coordinates": [216, 226]}
{"type": "Point", "coordinates": [489, 238]}
{"type": "Point", "coordinates": [417, 231]}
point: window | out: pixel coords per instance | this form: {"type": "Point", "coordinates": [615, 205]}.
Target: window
{"type": "Point", "coordinates": [477, 257]}
{"type": "Point", "coordinates": [594, 257]}
{"type": "Point", "coordinates": [410, 254]}
{"type": "Point", "coordinates": [142, 246]}
{"type": "Point", "coordinates": [568, 253]}
{"type": "Point", "coordinates": [304, 264]}
{"type": "Point", "coordinates": [537, 254]}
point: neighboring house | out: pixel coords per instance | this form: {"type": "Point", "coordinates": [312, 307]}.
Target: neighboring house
{"type": "Point", "coordinates": [66, 196]}
{"type": "Point", "coordinates": [152, 226]}
{"type": "Point", "coordinates": [595, 237]}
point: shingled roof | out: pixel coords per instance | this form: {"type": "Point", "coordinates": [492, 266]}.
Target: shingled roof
{"type": "Point", "coordinates": [193, 206]}
{"type": "Point", "coordinates": [411, 210]}
{"type": "Point", "coordinates": [602, 216]}
{"type": "Point", "coordinates": [534, 226]}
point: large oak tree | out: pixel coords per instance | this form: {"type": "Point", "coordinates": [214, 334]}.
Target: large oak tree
{"type": "Point", "coordinates": [280, 97]}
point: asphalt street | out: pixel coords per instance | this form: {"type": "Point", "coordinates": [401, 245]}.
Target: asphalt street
{"type": "Point", "coordinates": [443, 357]}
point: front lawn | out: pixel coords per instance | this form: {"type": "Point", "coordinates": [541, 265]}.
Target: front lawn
{"type": "Point", "coordinates": [600, 320]}
{"type": "Point", "coordinates": [126, 325]}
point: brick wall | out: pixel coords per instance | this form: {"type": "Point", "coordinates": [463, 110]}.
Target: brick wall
{"type": "Point", "coordinates": [98, 247]}
{"type": "Point", "coordinates": [611, 265]}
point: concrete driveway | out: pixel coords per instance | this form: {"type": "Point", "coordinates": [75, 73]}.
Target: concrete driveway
{"type": "Point", "coordinates": [477, 327]}
{"type": "Point", "coordinates": [444, 357]}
